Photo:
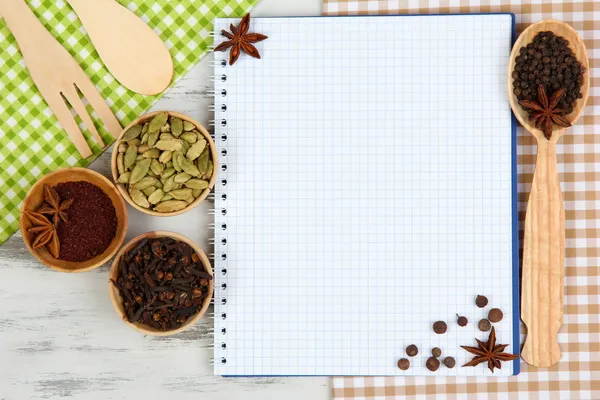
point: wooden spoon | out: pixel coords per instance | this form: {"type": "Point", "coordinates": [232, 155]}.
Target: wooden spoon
{"type": "Point", "coordinates": [130, 49]}
{"type": "Point", "coordinates": [544, 243]}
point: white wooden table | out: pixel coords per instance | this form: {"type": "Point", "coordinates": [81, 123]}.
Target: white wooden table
{"type": "Point", "coordinates": [61, 338]}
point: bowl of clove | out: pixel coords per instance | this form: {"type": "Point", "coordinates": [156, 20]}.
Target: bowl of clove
{"type": "Point", "coordinates": [161, 283]}
{"type": "Point", "coordinates": [164, 163]}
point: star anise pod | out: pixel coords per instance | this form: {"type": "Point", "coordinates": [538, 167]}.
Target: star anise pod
{"type": "Point", "coordinates": [544, 113]}
{"type": "Point", "coordinates": [240, 40]}
{"type": "Point", "coordinates": [53, 206]}
{"type": "Point", "coordinates": [45, 233]}
{"type": "Point", "coordinates": [489, 352]}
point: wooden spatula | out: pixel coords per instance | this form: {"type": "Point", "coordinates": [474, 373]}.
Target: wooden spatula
{"type": "Point", "coordinates": [131, 51]}
{"type": "Point", "coordinates": [57, 75]}
{"type": "Point", "coordinates": [544, 244]}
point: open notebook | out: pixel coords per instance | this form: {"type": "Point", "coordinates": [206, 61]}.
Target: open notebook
{"type": "Point", "coordinates": [367, 190]}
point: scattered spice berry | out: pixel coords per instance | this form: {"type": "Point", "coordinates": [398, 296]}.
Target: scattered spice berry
{"type": "Point", "coordinates": [495, 315]}
{"type": "Point", "coordinates": [449, 362]}
{"type": "Point", "coordinates": [481, 301]}
{"type": "Point", "coordinates": [403, 364]}
{"type": "Point", "coordinates": [162, 283]}
{"type": "Point", "coordinates": [432, 364]}
{"type": "Point", "coordinates": [440, 327]}
{"type": "Point", "coordinates": [461, 321]}
{"type": "Point", "coordinates": [240, 40]}
{"type": "Point", "coordinates": [548, 61]}
{"type": "Point", "coordinates": [412, 350]}
{"type": "Point", "coordinates": [436, 352]}
{"type": "Point", "coordinates": [543, 113]}
{"type": "Point", "coordinates": [92, 221]}
{"type": "Point", "coordinates": [484, 325]}
{"type": "Point", "coordinates": [489, 352]}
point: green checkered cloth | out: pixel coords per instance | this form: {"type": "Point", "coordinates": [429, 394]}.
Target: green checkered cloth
{"type": "Point", "coordinates": [32, 142]}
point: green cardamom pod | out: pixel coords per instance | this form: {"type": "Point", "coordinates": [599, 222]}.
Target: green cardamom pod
{"type": "Point", "coordinates": [143, 148]}
{"type": "Point", "coordinates": [189, 200]}
{"type": "Point", "coordinates": [176, 126]}
{"type": "Point", "coordinates": [158, 122]}
{"type": "Point", "coordinates": [182, 177]}
{"type": "Point", "coordinates": [196, 184]}
{"type": "Point", "coordinates": [139, 198]}
{"type": "Point", "coordinates": [188, 166]}
{"type": "Point", "coordinates": [139, 157]}
{"type": "Point", "coordinates": [153, 138]}
{"type": "Point", "coordinates": [202, 161]}
{"type": "Point", "coordinates": [158, 185]}
{"type": "Point", "coordinates": [156, 196]}
{"type": "Point", "coordinates": [209, 170]}
{"type": "Point", "coordinates": [122, 147]}
{"type": "Point", "coordinates": [145, 128]}
{"type": "Point", "coordinates": [167, 197]}
{"type": "Point", "coordinates": [168, 172]}
{"type": "Point", "coordinates": [169, 184]}
{"type": "Point", "coordinates": [166, 136]}
{"type": "Point", "coordinates": [148, 191]}
{"type": "Point", "coordinates": [139, 171]}
{"type": "Point", "coordinates": [196, 149]}
{"type": "Point", "coordinates": [145, 138]}
{"type": "Point", "coordinates": [121, 163]}
{"type": "Point", "coordinates": [152, 153]}
{"type": "Point", "coordinates": [132, 133]}
{"type": "Point", "coordinates": [189, 137]}
{"type": "Point", "coordinates": [166, 128]}
{"type": "Point", "coordinates": [181, 194]}
{"type": "Point", "coordinates": [145, 182]}
{"type": "Point", "coordinates": [176, 156]}
{"type": "Point", "coordinates": [165, 156]}
{"type": "Point", "coordinates": [170, 206]}
{"type": "Point", "coordinates": [188, 126]}
{"type": "Point", "coordinates": [124, 177]}
{"type": "Point", "coordinates": [157, 167]}
{"type": "Point", "coordinates": [184, 147]}
{"type": "Point", "coordinates": [197, 192]}
{"type": "Point", "coordinates": [151, 173]}
{"type": "Point", "coordinates": [170, 145]}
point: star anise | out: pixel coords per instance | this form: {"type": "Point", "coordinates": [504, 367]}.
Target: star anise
{"type": "Point", "coordinates": [543, 112]}
{"type": "Point", "coordinates": [489, 352]}
{"type": "Point", "coordinates": [53, 206]}
{"type": "Point", "coordinates": [240, 40]}
{"type": "Point", "coordinates": [45, 233]}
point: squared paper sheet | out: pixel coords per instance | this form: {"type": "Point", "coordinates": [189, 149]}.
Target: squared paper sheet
{"type": "Point", "coordinates": [368, 193]}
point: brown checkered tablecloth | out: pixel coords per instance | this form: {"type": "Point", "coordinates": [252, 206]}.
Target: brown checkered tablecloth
{"type": "Point", "coordinates": [577, 375]}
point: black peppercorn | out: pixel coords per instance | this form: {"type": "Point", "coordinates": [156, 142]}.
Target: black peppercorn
{"type": "Point", "coordinates": [440, 327]}
{"type": "Point", "coordinates": [403, 364]}
{"type": "Point", "coordinates": [436, 352]}
{"type": "Point", "coordinates": [412, 350]}
{"type": "Point", "coordinates": [449, 362]}
{"type": "Point", "coordinates": [481, 301]}
{"type": "Point", "coordinates": [432, 364]}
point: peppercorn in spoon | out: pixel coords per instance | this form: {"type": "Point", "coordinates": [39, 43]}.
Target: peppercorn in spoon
{"type": "Point", "coordinates": [545, 113]}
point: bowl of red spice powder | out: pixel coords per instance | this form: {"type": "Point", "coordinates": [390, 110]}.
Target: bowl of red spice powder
{"type": "Point", "coordinates": [73, 220]}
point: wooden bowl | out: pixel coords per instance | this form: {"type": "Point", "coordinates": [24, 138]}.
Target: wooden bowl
{"type": "Point", "coordinates": [117, 300]}
{"type": "Point", "coordinates": [576, 44]}
{"type": "Point", "coordinates": [35, 197]}
{"type": "Point", "coordinates": [213, 151]}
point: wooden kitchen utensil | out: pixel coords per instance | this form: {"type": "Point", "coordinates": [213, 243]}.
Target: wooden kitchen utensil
{"type": "Point", "coordinates": [57, 75]}
{"type": "Point", "coordinates": [544, 242]}
{"type": "Point", "coordinates": [130, 49]}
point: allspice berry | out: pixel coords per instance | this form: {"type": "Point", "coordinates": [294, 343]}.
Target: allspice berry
{"type": "Point", "coordinates": [484, 325]}
{"type": "Point", "coordinates": [436, 351]}
{"type": "Point", "coordinates": [432, 364]}
{"type": "Point", "coordinates": [412, 350]}
{"type": "Point", "coordinates": [403, 364]}
{"type": "Point", "coordinates": [440, 327]}
{"type": "Point", "coordinates": [481, 301]}
{"type": "Point", "coordinates": [449, 362]}
{"type": "Point", "coordinates": [461, 321]}
{"type": "Point", "coordinates": [495, 315]}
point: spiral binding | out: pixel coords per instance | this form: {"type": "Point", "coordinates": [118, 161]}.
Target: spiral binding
{"type": "Point", "coordinates": [220, 211]}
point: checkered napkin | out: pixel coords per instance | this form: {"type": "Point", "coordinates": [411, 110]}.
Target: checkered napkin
{"type": "Point", "coordinates": [577, 375]}
{"type": "Point", "coordinates": [31, 140]}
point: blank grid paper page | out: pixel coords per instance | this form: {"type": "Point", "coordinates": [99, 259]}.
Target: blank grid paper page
{"type": "Point", "coordinates": [367, 193]}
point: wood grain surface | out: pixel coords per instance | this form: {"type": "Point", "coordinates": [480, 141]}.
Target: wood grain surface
{"type": "Point", "coordinates": [61, 339]}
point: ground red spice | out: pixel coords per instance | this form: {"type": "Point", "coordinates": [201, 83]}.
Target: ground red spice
{"type": "Point", "coordinates": [92, 221]}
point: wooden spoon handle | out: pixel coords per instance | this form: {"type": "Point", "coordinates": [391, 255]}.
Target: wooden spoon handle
{"type": "Point", "coordinates": [543, 262]}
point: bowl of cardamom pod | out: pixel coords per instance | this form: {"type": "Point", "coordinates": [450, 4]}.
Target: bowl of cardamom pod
{"type": "Point", "coordinates": [164, 163]}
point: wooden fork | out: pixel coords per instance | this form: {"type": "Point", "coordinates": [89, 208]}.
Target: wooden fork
{"type": "Point", "coordinates": [57, 75]}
